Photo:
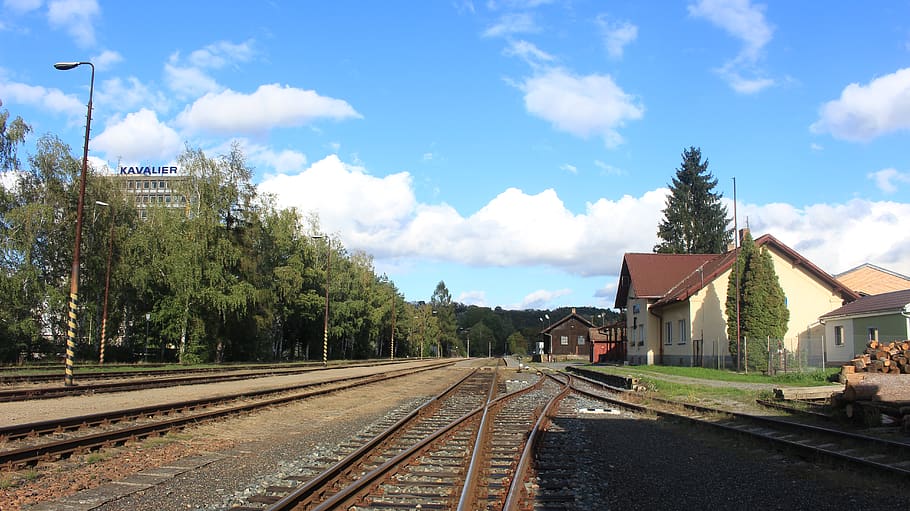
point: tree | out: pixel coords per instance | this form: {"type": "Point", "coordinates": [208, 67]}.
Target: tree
{"type": "Point", "coordinates": [445, 311]}
{"type": "Point", "coordinates": [763, 312]}
{"type": "Point", "coordinates": [517, 343]}
{"type": "Point", "coordinates": [695, 221]}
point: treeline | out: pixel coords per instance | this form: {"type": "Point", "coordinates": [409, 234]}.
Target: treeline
{"type": "Point", "coordinates": [224, 276]}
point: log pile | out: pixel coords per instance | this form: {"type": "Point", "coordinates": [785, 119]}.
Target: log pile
{"type": "Point", "coordinates": [890, 358]}
{"type": "Point", "coordinates": [870, 397]}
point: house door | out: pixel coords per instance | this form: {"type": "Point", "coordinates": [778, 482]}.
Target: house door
{"type": "Point", "coordinates": [698, 354]}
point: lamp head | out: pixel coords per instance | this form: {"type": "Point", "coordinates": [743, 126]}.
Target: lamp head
{"type": "Point", "coordinates": [66, 66]}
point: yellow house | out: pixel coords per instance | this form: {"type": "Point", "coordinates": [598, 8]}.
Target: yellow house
{"type": "Point", "coordinates": [675, 305]}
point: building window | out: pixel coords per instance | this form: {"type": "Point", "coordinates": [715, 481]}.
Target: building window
{"type": "Point", "coordinates": [145, 184]}
{"type": "Point", "coordinates": [682, 331]}
{"type": "Point", "coordinates": [161, 185]}
{"type": "Point", "coordinates": [838, 336]}
{"type": "Point", "coordinates": [669, 339]}
{"type": "Point", "coordinates": [641, 336]}
{"type": "Point", "coordinates": [873, 334]}
{"type": "Point", "coordinates": [129, 184]}
{"type": "Point", "coordinates": [564, 340]}
{"type": "Point", "coordinates": [167, 199]}
{"type": "Point", "coordinates": [581, 340]}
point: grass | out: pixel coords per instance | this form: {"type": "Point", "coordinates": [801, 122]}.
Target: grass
{"type": "Point", "coordinates": [802, 379]}
{"type": "Point", "coordinates": [12, 479]}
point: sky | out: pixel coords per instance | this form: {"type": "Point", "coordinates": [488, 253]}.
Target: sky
{"type": "Point", "coordinates": [513, 149]}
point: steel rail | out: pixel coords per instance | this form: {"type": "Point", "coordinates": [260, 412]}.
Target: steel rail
{"type": "Point", "coordinates": [516, 488]}
{"type": "Point", "coordinates": [33, 454]}
{"type": "Point", "coordinates": [466, 499]}
{"type": "Point", "coordinates": [98, 388]}
{"type": "Point", "coordinates": [348, 495]}
{"type": "Point", "coordinates": [825, 450]}
{"type": "Point", "coordinates": [142, 371]}
{"type": "Point", "coordinates": [314, 485]}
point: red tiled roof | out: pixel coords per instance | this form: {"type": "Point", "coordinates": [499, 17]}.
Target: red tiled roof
{"type": "Point", "coordinates": [671, 278]}
{"type": "Point", "coordinates": [654, 275]}
{"type": "Point", "coordinates": [885, 303]}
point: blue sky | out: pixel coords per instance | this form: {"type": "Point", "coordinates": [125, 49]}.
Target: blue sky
{"type": "Point", "coordinates": [514, 149]}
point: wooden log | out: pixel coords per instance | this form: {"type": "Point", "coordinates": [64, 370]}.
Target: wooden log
{"type": "Point", "coordinates": [848, 369]}
{"type": "Point", "coordinates": [878, 387]}
{"type": "Point", "coordinates": [872, 345]}
{"type": "Point", "coordinates": [824, 392]}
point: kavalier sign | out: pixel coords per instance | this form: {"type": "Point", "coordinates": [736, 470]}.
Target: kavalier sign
{"type": "Point", "coordinates": [148, 171]}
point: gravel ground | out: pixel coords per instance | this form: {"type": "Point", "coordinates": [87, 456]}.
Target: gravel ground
{"type": "Point", "coordinates": [231, 456]}
{"type": "Point", "coordinates": [625, 462]}
{"type": "Point", "coordinates": [620, 462]}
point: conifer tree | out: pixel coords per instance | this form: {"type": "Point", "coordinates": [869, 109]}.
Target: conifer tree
{"type": "Point", "coordinates": [763, 312]}
{"type": "Point", "coordinates": [695, 221]}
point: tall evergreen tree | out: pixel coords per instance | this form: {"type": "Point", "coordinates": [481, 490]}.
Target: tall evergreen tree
{"type": "Point", "coordinates": [763, 312]}
{"type": "Point", "coordinates": [695, 221]}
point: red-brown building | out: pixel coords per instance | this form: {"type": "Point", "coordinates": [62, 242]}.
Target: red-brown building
{"type": "Point", "coordinates": [608, 343]}
{"type": "Point", "coordinates": [568, 337]}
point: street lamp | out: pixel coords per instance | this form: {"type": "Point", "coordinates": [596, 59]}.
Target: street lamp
{"type": "Point", "coordinates": [107, 286]}
{"type": "Point", "coordinates": [325, 323]}
{"type": "Point", "coordinates": [145, 352]}
{"type": "Point", "coordinates": [73, 322]}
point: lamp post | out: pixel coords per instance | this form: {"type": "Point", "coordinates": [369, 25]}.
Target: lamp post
{"type": "Point", "coordinates": [145, 351]}
{"type": "Point", "coordinates": [325, 321]}
{"type": "Point", "coordinates": [107, 286]}
{"type": "Point", "coordinates": [73, 320]}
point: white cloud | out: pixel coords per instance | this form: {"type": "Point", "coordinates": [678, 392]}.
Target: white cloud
{"type": "Point", "coordinates": [381, 216]}
{"type": "Point", "coordinates": [283, 161]}
{"type": "Point", "coordinates": [886, 179]}
{"type": "Point", "coordinates": [364, 207]}
{"type": "Point", "coordinates": [221, 54]}
{"type": "Point", "coordinates": [188, 81]}
{"type": "Point", "coordinates": [52, 100]}
{"type": "Point", "coordinates": [837, 237]}
{"type": "Point", "coordinates": [581, 105]}
{"type": "Point", "coordinates": [571, 169]}
{"type": "Point", "coordinates": [126, 95]}
{"type": "Point", "coordinates": [864, 112]}
{"type": "Point", "coordinates": [616, 35]}
{"type": "Point", "coordinates": [478, 298]}
{"type": "Point", "coordinates": [138, 137]}
{"type": "Point", "coordinates": [512, 23]}
{"type": "Point", "coordinates": [189, 77]}
{"type": "Point", "coordinates": [106, 59]}
{"type": "Point", "coordinates": [77, 17]}
{"type": "Point", "coordinates": [541, 298]}
{"type": "Point", "coordinates": [608, 169]}
{"type": "Point", "coordinates": [528, 52]}
{"type": "Point", "coordinates": [744, 21]}
{"type": "Point", "coordinates": [269, 107]}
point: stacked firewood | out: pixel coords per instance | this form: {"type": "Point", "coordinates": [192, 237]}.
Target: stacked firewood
{"type": "Point", "coordinates": [891, 358]}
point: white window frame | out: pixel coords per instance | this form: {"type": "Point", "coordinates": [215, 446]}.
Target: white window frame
{"type": "Point", "coordinates": [682, 331]}
{"type": "Point", "coordinates": [564, 340]}
{"type": "Point", "coordinates": [839, 335]}
{"type": "Point", "coordinates": [669, 339]}
{"type": "Point", "coordinates": [872, 333]}
{"type": "Point", "coordinates": [581, 340]}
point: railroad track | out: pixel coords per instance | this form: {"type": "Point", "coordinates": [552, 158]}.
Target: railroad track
{"type": "Point", "coordinates": [140, 381]}
{"type": "Point", "coordinates": [460, 450]}
{"type": "Point", "coordinates": [886, 456]}
{"type": "Point", "coordinates": [145, 370]}
{"type": "Point", "coordinates": [28, 444]}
